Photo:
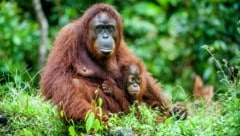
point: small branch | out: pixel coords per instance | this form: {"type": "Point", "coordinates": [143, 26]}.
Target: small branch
{"type": "Point", "coordinates": [44, 32]}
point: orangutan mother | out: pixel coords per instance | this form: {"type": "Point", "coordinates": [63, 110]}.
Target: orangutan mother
{"type": "Point", "coordinates": [86, 55]}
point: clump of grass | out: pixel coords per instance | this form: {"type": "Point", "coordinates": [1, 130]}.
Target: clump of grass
{"type": "Point", "coordinates": [202, 121]}
{"type": "Point", "coordinates": [28, 113]}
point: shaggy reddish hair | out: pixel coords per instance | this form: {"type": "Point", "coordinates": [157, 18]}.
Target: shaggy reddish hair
{"type": "Point", "coordinates": [74, 93]}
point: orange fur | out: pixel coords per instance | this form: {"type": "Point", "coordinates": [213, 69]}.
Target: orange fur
{"type": "Point", "coordinates": [201, 91]}
{"type": "Point", "coordinates": [67, 84]}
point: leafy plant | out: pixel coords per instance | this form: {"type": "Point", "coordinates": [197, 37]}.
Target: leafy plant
{"type": "Point", "coordinates": [91, 122]}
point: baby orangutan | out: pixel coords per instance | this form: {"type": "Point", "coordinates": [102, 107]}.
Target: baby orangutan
{"type": "Point", "coordinates": [135, 85]}
{"type": "Point", "coordinates": [133, 82]}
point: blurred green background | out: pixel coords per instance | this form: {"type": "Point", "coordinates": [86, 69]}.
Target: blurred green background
{"type": "Point", "coordinates": [167, 35]}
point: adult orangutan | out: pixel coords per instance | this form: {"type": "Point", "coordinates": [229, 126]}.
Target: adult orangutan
{"type": "Point", "coordinates": [85, 63]}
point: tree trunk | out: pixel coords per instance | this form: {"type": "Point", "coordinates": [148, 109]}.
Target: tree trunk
{"type": "Point", "coordinates": [44, 32]}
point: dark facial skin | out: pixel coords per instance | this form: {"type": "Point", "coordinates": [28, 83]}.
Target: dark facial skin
{"type": "Point", "coordinates": [104, 33]}
{"type": "Point", "coordinates": [133, 81]}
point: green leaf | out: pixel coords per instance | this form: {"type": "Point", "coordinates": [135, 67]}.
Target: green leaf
{"type": "Point", "coordinates": [89, 121]}
{"type": "Point", "coordinates": [72, 131]}
{"type": "Point", "coordinates": [16, 40]}
{"type": "Point", "coordinates": [100, 101]}
{"type": "Point", "coordinates": [62, 113]}
{"type": "Point", "coordinates": [96, 125]}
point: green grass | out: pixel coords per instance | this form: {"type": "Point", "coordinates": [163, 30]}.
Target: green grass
{"type": "Point", "coordinates": [31, 115]}
{"type": "Point", "coordinates": [28, 113]}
